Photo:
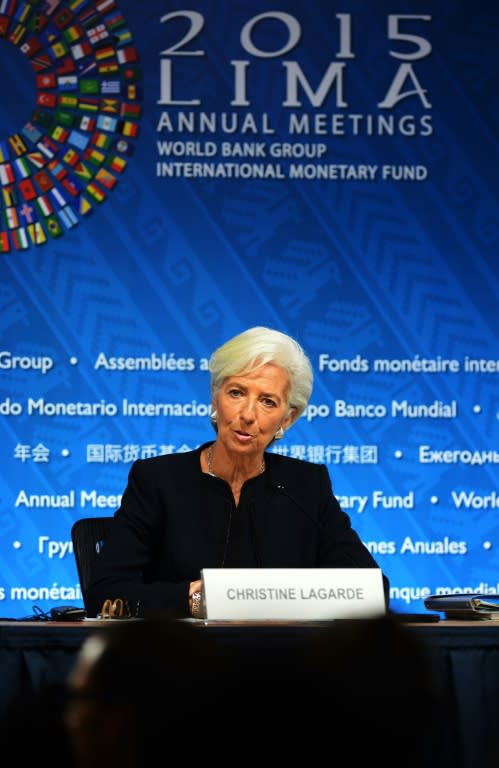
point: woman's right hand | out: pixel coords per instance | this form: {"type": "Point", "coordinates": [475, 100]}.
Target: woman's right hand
{"type": "Point", "coordinates": [194, 586]}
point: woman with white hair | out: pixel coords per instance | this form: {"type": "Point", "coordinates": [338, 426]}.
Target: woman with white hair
{"type": "Point", "coordinates": [230, 502]}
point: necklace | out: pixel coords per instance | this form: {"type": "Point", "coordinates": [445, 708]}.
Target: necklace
{"type": "Point", "coordinates": [209, 462]}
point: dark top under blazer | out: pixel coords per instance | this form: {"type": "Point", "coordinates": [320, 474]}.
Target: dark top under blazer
{"type": "Point", "coordinates": [175, 520]}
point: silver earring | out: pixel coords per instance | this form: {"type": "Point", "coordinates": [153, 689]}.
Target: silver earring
{"type": "Point", "coordinates": [213, 417]}
{"type": "Point", "coordinates": [279, 434]}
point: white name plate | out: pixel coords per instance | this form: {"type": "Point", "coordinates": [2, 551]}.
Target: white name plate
{"type": "Point", "coordinates": [292, 593]}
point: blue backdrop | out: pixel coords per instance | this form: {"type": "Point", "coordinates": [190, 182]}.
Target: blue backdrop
{"type": "Point", "coordinates": [172, 174]}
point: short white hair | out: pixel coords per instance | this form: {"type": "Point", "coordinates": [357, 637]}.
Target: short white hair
{"type": "Point", "coordinates": [257, 347]}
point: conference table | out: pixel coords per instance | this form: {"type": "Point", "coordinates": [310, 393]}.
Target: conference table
{"type": "Point", "coordinates": [464, 655]}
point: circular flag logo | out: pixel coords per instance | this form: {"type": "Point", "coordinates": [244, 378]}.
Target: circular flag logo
{"type": "Point", "coordinates": [66, 160]}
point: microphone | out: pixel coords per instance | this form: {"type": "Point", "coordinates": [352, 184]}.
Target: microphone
{"type": "Point", "coordinates": [281, 488]}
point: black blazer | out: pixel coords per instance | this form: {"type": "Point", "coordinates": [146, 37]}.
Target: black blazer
{"type": "Point", "coordinates": [175, 520]}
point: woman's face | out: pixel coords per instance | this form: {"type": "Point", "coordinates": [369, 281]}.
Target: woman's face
{"type": "Point", "coordinates": [251, 408]}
